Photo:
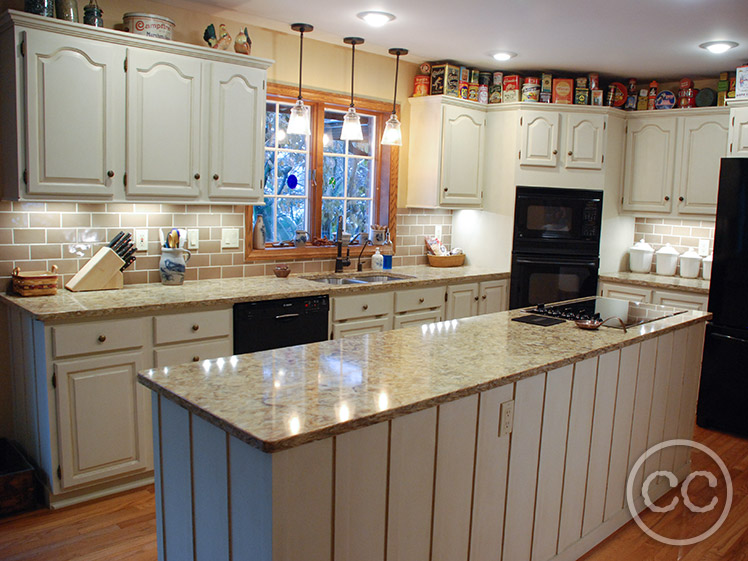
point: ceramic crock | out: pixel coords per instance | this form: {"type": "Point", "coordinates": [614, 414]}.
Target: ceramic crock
{"type": "Point", "coordinates": [173, 264]}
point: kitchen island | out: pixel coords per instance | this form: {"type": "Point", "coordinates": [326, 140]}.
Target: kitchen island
{"type": "Point", "coordinates": [471, 439]}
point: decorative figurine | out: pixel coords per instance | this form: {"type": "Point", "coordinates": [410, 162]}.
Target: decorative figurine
{"type": "Point", "coordinates": [242, 43]}
{"type": "Point", "coordinates": [220, 41]}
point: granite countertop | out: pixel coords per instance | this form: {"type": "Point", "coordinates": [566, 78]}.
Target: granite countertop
{"type": "Point", "coordinates": [275, 400]}
{"type": "Point", "coordinates": [651, 280]}
{"type": "Point", "coordinates": [149, 298]}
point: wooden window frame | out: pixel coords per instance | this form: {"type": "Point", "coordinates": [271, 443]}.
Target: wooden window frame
{"type": "Point", "coordinates": [387, 160]}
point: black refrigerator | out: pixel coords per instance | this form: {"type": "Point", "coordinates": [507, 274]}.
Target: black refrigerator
{"type": "Point", "coordinates": [723, 394]}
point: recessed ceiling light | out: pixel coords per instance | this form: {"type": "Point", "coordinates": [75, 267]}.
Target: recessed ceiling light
{"type": "Point", "coordinates": [504, 55]}
{"type": "Point", "coordinates": [376, 19]}
{"type": "Point", "coordinates": [718, 47]}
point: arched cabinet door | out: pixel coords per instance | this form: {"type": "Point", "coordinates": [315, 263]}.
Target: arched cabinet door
{"type": "Point", "coordinates": [237, 111]}
{"type": "Point", "coordinates": [164, 108]}
{"type": "Point", "coordinates": [463, 137]}
{"type": "Point", "coordinates": [74, 116]}
{"type": "Point", "coordinates": [539, 138]}
{"type": "Point", "coordinates": [585, 141]}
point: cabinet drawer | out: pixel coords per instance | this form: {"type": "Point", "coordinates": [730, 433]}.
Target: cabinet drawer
{"type": "Point", "coordinates": [180, 328]}
{"type": "Point", "coordinates": [419, 299]}
{"type": "Point", "coordinates": [98, 336]}
{"type": "Point", "coordinates": [195, 352]}
{"type": "Point", "coordinates": [361, 306]}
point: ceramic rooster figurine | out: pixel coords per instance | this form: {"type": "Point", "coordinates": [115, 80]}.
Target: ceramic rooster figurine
{"type": "Point", "coordinates": [242, 43]}
{"type": "Point", "coordinates": [220, 41]}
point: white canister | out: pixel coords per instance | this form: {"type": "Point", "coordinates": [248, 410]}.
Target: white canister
{"type": "Point", "coordinates": [640, 257]}
{"type": "Point", "coordinates": [690, 263]}
{"type": "Point", "coordinates": [150, 25]}
{"type": "Point", "coordinates": [667, 260]}
{"type": "Point", "coordinates": [707, 270]}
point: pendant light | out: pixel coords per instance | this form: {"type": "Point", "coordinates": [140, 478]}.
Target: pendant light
{"type": "Point", "coordinates": [299, 121]}
{"type": "Point", "coordinates": [392, 135]}
{"type": "Point", "coordinates": [351, 120]}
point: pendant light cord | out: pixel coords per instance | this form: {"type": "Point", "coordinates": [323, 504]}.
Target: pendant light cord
{"type": "Point", "coordinates": [301, 59]}
{"type": "Point", "coordinates": [353, 66]}
{"type": "Point", "coordinates": [397, 71]}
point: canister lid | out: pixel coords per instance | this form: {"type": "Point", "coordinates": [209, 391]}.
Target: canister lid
{"type": "Point", "coordinates": [641, 245]}
{"type": "Point", "coordinates": [690, 254]}
{"type": "Point", "coordinates": [667, 249]}
{"type": "Point", "coordinates": [709, 258]}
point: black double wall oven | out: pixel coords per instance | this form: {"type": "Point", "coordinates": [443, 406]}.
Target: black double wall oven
{"type": "Point", "coordinates": [556, 247]}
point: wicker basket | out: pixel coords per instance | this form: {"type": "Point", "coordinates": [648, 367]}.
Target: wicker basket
{"type": "Point", "coordinates": [446, 260]}
{"type": "Point", "coordinates": [35, 283]}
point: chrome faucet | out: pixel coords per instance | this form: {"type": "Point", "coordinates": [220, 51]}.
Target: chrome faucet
{"type": "Point", "coordinates": [341, 261]}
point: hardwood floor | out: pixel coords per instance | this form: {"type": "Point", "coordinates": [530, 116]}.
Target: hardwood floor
{"type": "Point", "coordinates": [124, 527]}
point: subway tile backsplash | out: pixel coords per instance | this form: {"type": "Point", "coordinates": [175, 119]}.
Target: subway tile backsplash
{"type": "Point", "coordinates": [35, 236]}
{"type": "Point", "coordinates": [680, 233]}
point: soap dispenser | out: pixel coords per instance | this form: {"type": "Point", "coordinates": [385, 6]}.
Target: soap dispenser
{"type": "Point", "coordinates": [377, 261]}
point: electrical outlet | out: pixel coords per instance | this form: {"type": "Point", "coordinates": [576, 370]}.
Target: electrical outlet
{"type": "Point", "coordinates": [193, 238]}
{"type": "Point", "coordinates": [506, 418]}
{"type": "Point", "coordinates": [141, 240]}
{"type": "Point", "coordinates": [438, 232]}
{"type": "Point", "coordinates": [703, 248]}
{"type": "Point", "coordinates": [230, 238]}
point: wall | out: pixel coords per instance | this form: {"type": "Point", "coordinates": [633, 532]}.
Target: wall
{"type": "Point", "coordinates": [681, 234]}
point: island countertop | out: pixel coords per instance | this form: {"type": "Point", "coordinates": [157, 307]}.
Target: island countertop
{"type": "Point", "coordinates": [652, 280]}
{"type": "Point", "coordinates": [149, 298]}
{"type": "Point", "coordinates": [279, 399]}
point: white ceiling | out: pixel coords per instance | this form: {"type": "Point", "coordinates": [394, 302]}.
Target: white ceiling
{"type": "Point", "coordinates": [644, 39]}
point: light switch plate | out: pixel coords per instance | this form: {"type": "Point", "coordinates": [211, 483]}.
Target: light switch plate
{"type": "Point", "coordinates": [506, 418]}
{"type": "Point", "coordinates": [141, 240]}
{"type": "Point", "coordinates": [703, 248]}
{"type": "Point", "coordinates": [230, 238]}
{"type": "Point", "coordinates": [193, 238]}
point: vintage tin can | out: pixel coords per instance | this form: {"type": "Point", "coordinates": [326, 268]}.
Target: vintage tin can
{"type": "Point", "coordinates": [494, 94]}
{"type": "Point", "coordinates": [721, 99]}
{"type": "Point", "coordinates": [530, 91]}
{"type": "Point", "coordinates": [581, 83]}
{"type": "Point", "coordinates": [421, 85]}
{"type": "Point", "coordinates": [630, 104]}
{"type": "Point", "coordinates": [150, 25]}
{"type": "Point", "coordinates": [463, 90]}
{"type": "Point", "coordinates": [425, 68]}
{"type": "Point", "coordinates": [686, 83]}
{"type": "Point", "coordinates": [473, 92]}
{"type": "Point", "coordinates": [641, 104]}
{"type": "Point", "coordinates": [482, 93]}
{"type": "Point", "coordinates": [498, 79]}
{"type": "Point", "coordinates": [464, 74]}
{"type": "Point", "coordinates": [546, 83]}
{"type": "Point", "coordinates": [652, 95]}
{"type": "Point", "coordinates": [534, 80]}
{"type": "Point", "coordinates": [438, 75]}
{"type": "Point", "coordinates": [445, 79]}
{"type": "Point", "coordinates": [563, 90]}
{"type": "Point", "coordinates": [474, 75]}
{"type": "Point", "coordinates": [741, 82]}
{"type": "Point", "coordinates": [484, 79]}
{"type": "Point", "coordinates": [582, 96]}
{"type": "Point", "coordinates": [597, 98]}
{"type": "Point", "coordinates": [545, 97]}
{"type": "Point", "coordinates": [512, 86]}
{"type": "Point", "coordinates": [594, 80]}
{"type": "Point", "coordinates": [510, 96]}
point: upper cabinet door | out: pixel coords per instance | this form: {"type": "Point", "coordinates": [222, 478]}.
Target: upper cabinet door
{"type": "Point", "coordinates": [704, 144]}
{"type": "Point", "coordinates": [739, 131]}
{"type": "Point", "coordinates": [75, 116]}
{"type": "Point", "coordinates": [539, 138]}
{"type": "Point", "coordinates": [650, 164]}
{"type": "Point", "coordinates": [463, 132]}
{"type": "Point", "coordinates": [237, 112]}
{"type": "Point", "coordinates": [164, 108]}
{"type": "Point", "coordinates": [585, 141]}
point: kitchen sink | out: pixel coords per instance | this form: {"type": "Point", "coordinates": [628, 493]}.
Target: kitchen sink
{"type": "Point", "coordinates": [359, 278]}
{"type": "Point", "coordinates": [337, 280]}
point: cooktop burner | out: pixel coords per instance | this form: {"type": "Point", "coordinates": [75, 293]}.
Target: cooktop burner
{"type": "Point", "coordinates": [630, 313]}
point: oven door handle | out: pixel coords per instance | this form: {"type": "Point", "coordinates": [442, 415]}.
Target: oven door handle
{"type": "Point", "coordinates": [287, 316]}
{"type": "Point", "coordinates": [535, 260]}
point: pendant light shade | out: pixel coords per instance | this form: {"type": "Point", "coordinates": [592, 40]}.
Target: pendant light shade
{"type": "Point", "coordinates": [392, 135]}
{"type": "Point", "coordinates": [352, 121]}
{"type": "Point", "coordinates": [299, 121]}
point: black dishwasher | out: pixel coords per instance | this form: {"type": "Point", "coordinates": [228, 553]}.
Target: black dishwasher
{"type": "Point", "coordinates": [272, 324]}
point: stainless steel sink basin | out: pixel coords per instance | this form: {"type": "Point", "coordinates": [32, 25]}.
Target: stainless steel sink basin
{"type": "Point", "coordinates": [337, 280]}
{"type": "Point", "coordinates": [363, 278]}
{"type": "Point", "coordinates": [381, 278]}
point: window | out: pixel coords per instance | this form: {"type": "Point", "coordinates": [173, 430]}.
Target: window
{"type": "Point", "coordinates": [311, 181]}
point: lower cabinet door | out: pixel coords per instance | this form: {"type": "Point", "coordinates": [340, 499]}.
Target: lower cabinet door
{"type": "Point", "coordinates": [683, 300]}
{"type": "Point", "coordinates": [103, 418]}
{"type": "Point", "coordinates": [412, 319]}
{"type": "Point", "coordinates": [494, 297]}
{"type": "Point", "coordinates": [462, 300]}
{"type": "Point", "coordinates": [626, 292]}
{"type": "Point", "coordinates": [192, 352]}
{"type": "Point", "coordinates": [361, 327]}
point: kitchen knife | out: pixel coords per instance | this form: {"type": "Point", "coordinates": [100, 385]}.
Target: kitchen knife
{"type": "Point", "coordinates": [129, 253]}
{"type": "Point", "coordinates": [129, 262]}
{"type": "Point", "coordinates": [115, 239]}
{"type": "Point", "coordinates": [123, 242]}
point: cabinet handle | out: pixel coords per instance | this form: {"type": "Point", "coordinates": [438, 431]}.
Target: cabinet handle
{"type": "Point", "coordinates": [197, 176]}
{"type": "Point", "coordinates": [215, 176]}
{"type": "Point", "coordinates": [681, 199]}
{"type": "Point", "coordinates": [420, 300]}
{"type": "Point", "coordinates": [555, 152]}
{"type": "Point", "coordinates": [570, 152]}
{"type": "Point", "coordinates": [195, 358]}
{"type": "Point", "coordinates": [365, 306]}
{"type": "Point", "coordinates": [195, 327]}
{"type": "Point", "coordinates": [110, 173]}
{"type": "Point", "coordinates": [667, 198]}
{"type": "Point", "coordinates": [102, 338]}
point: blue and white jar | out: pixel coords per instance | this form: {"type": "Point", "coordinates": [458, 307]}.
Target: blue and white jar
{"type": "Point", "coordinates": [173, 265]}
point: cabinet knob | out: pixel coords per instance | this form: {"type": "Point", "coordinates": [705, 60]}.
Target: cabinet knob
{"type": "Point", "coordinates": [215, 176]}
{"type": "Point", "coordinates": [570, 152]}
{"type": "Point", "coordinates": [667, 198]}
{"type": "Point", "coordinates": [110, 173]}
{"type": "Point", "coordinates": [195, 327]}
{"type": "Point", "coordinates": [102, 338]}
{"type": "Point", "coordinates": [484, 296]}
{"type": "Point", "coordinates": [420, 300]}
{"type": "Point", "coordinates": [195, 358]}
{"type": "Point", "coordinates": [197, 176]}
{"type": "Point", "coordinates": [365, 306]}
{"type": "Point", "coordinates": [446, 189]}
{"type": "Point", "coordinates": [681, 199]}
{"type": "Point", "coordinates": [476, 298]}
{"type": "Point", "coordinates": [555, 152]}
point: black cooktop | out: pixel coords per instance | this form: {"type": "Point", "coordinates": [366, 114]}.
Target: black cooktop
{"type": "Point", "coordinates": [599, 308]}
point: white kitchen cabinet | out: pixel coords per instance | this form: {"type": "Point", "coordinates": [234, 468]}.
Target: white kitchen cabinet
{"type": "Point", "coordinates": [419, 306]}
{"type": "Point", "coordinates": [462, 300]}
{"type": "Point", "coordinates": [192, 337]}
{"type": "Point", "coordinates": [677, 299]}
{"type": "Point", "coordinates": [114, 116]}
{"type": "Point", "coordinates": [585, 141]}
{"type": "Point", "coordinates": [665, 297]}
{"type": "Point", "coordinates": [629, 292]}
{"type": "Point", "coordinates": [672, 161]}
{"type": "Point", "coordinates": [494, 296]}
{"type": "Point", "coordinates": [446, 151]}
{"type": "Point", "coordinates": [738, 137]}
{"type": "Point", "coordinates": [361, 313]}
{"type": "Point", "coordinates": [539, 135]}
{"type": "Point", "coordinates": [75, 143]}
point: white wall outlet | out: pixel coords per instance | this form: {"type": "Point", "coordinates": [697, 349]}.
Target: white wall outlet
{"type": "Point", "coordinates": [230, 238]}
{"type": "Point", "coordinates": [141, 240]}
{"type": "Point", "coordinates": [506, 418]}
{"type": "Point", "coordinates": [193, 238]}
{"type": "Point", "coordinates": [703, 248]}
{"type": "Point", "coordinates": [438, 232]}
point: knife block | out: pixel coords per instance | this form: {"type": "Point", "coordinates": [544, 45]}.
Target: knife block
{"type": "Point", "coordinates": [102, 272]}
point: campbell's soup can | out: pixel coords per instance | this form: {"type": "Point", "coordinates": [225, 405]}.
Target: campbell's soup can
{"type": "Point", "coordinates": [530, 92]}
{"type": "Point", "coordinates": [421, 85]}
{"type": "Point", "coordinates": [150, 25]}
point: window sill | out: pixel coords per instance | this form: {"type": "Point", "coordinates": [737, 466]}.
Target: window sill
{"type": "Point", "coordinates": [284, 253]}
